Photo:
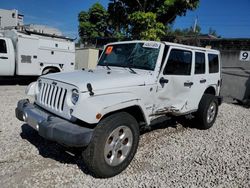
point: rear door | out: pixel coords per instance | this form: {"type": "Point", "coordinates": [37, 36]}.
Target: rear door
{"type": "Point", "coordinates": [200, 77]}
{"type": "Point", "coordinates": [214, 67]}
{"type": "Point", "coordinates": [5, 59]}
{"type": "Point", "coordinates": [175, 82]}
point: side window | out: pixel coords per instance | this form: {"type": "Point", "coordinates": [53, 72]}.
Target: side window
{"type": "Point", "coordinates": [3, 48]}
{"type": "Point", "coordinates": [213, 63]}
{"type": "Point", "coordinates": [199, 63]}
{"type": "Point", "coordinates": [179, 63]}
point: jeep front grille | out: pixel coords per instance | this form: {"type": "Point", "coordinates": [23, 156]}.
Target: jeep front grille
{"type": "Point", "coordinates": [52, 96]}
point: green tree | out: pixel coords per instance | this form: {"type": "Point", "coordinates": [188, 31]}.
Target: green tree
{"type": "Point", "coordinates": [129, 17]}
{"type": "Point", "coordinates": [93, 23]}
{"type": "Point", "coordinates": [118, 19]}
{"type": "Point", "coordinates": [145, 26]}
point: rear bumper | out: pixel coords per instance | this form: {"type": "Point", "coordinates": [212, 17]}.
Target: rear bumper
{"type": "Point", "coordinates": [52, 127]}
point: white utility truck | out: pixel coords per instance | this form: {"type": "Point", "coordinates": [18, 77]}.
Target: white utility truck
{"type": "Point", "coordinates": [135, 83]}
{"type": "Point", "coordinates": [30, 53]}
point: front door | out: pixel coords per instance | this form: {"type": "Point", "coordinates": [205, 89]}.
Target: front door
{"type": "Point", "coordinates": [175, 82]}
{"type": "Point", "coordinates": [5, 64]}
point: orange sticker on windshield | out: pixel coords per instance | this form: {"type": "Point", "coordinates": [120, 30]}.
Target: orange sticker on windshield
{"type": "Point", "coordinates": [109, 50]}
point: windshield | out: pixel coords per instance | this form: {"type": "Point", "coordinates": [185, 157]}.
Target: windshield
{"type": "Point", "coordinates": [132, 55]}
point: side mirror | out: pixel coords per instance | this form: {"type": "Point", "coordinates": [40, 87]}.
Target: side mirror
{"type": "Point", "coordinates": [163, 80]}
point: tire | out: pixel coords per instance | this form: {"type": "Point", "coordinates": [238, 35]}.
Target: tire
{"type": "Point", "coordinates": [207, 111]}
{"type": "Point", "coordinates": [105, 156]}
{"type": "Point", "coordinates": [49, 71]}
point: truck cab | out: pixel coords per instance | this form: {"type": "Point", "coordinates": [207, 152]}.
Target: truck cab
{"type": "Point", "coordinates": [7, 57]}
{"type": "Point", "coordinates": [134, 83]}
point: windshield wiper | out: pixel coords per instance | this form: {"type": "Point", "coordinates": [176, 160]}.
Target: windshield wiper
{"type": "Point", "coordinates": [129, 65]}
{"type": "Point", "coordinates": [107, 65]}
{"type": "Point", "coordinates": [132, 70]}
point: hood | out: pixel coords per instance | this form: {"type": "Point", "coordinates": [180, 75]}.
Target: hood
{"type": "Point", "coordinates": [101, 78]}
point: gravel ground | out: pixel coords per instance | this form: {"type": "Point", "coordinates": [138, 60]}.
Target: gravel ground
{"type": "Point", "coordinates": [171, 155]}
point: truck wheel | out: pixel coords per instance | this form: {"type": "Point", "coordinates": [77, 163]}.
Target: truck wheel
{"type": "Point", "coordinates": [207, 111]}
{"type": "Point", "coordinates": [50, 70]}
{"type": "Point", "coordinates": [113, 145]}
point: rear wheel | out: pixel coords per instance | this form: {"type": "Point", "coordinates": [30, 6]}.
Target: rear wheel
{"type": "Point", "coordinates": [113, 145]}
{"type": "Point", "coordinates": [207, 111]}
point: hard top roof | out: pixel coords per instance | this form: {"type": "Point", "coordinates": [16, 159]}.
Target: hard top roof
{"type": "Point", "coordinates": [169, 44]}
{"type": "Point", "coordinates": [190, 47]}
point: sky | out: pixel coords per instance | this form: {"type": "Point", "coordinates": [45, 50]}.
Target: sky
{"type": "Point", "coordinates": [230, 18]}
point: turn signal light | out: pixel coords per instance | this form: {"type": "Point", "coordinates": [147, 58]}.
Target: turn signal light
{"type": "Point", "coordinates": [98, 116]}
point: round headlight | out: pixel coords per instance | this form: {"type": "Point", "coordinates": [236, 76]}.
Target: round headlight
{"type": "Point", "coordinates": [74, 96]}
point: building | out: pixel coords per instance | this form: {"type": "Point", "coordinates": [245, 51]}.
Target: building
{"type": "Point", "coordinates": [86, 58]}
{"type": "Point", "coordinates": [10, 18]}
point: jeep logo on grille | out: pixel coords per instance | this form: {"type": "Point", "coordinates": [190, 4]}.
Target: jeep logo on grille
{"type": "Point", "coordinates": [54, 83]}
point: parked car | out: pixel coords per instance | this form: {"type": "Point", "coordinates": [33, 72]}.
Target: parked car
{"type": "Point", "coordinates": [134, 83]}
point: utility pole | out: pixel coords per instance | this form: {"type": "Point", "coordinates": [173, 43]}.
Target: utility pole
{"type": "Point", "coordinates": [195, 24]}
{"type": "Point", "coordinates": [195, 32]}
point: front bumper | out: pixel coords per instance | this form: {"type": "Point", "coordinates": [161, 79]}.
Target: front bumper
{"type": "Point", "coordinates": [52, 127]}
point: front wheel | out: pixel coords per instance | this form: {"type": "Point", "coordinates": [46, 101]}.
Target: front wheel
{"type": "Point", "coordinates": [113, 145]}
{"type": "Point", "coordinates": [207, 111]}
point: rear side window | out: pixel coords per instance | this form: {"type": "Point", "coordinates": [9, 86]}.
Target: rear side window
{"type": "Point", "coordinates": [213, 63]}
{"type": "Point", "coordinates": [199, 63]}
{"type": "Point", "coordinates": [3, 48]}
{"type": "Point", "coordinates": [179, 63]}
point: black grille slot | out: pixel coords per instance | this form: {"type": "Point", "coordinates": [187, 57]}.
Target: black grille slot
{"type": "Point", "coordinates": [58, 101]}
{"type": "Point", "coordinates": [64, 96]}
{"type": "Point", "coordinates": [53, 96]}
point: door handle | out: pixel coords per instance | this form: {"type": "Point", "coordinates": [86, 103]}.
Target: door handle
{"type": "Point", "coordinates": [203, 81]}
{"type": "Point", "coordinates": [188, 84]}
{"type": "Point", "coordinates": [2, 57]}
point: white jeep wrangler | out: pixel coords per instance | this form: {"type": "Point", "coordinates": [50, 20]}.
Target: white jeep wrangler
{"type": "Point", "coordinates": [134, 83]}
